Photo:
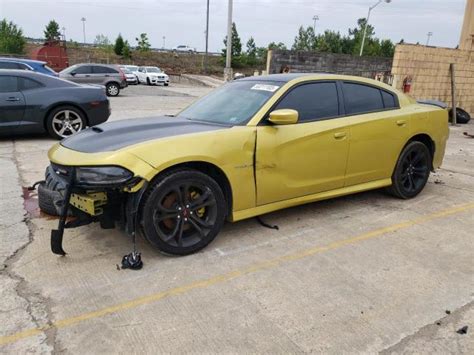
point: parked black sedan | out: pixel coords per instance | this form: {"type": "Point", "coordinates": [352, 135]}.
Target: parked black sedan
{"type": "Point", "coordinates": [32, 102]}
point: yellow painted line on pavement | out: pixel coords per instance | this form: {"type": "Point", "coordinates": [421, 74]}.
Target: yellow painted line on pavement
{"type": "Point", "coordinates": [234, 274]}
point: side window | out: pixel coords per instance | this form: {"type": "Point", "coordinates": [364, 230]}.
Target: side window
{"type": "Point", "coordinates": [360, 98]}
{"type": "Point", "coordinates": [84, 69]}
{"type": "Point", "coordinates": [315, 101]}
{"type": "Point", "coordinates": [28, 84]}
{"type": "Point", "coordinates": [23, 66]}
{"type": "Point", "coordinates": [103, 70]}
{"type": "Point", "coordinates": [388, 99]}
{"type": "Point", "coordinates": [141, 70]}
{"type": "Point", "coordinates": [9, 65]}
{"type": "Point", "coordinates": [8, 83]}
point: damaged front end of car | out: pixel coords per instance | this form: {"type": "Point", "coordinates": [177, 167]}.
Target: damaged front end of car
{"type": "Point", "coordinates": [109, 195]}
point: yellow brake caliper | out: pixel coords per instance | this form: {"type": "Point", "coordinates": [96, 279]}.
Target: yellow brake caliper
{"type": "Point", "coordinates": [200, 212]}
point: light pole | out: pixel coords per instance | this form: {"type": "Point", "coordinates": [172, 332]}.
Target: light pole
{"type": "Point", "coordinates": [207, 37]}
{"type": "Point", "coordinates": [315, 18]}
{"type": "Point", "coordinates": [84, 29]}
{"type": "Point", "coordinates": [228, 57]}
{"type": "Point", "coordinates": [429, 34]}
{"type": "Point", "coordinates": [367, 22]}
{"type": "Point", "coordinates": [164, 41]}
{"type": "Point", "coordinates": [64, 33]}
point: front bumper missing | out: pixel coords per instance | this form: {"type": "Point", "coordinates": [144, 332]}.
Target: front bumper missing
{"type": "Point", "coordinates": [113, 204]}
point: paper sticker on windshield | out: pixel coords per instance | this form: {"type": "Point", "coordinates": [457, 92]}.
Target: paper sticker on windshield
{"type": "Point", "coordinates": [271, 88]}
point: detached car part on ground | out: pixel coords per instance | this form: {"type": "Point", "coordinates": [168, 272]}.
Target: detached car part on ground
{"type": "Point", "coordinates": [35, 103]}
{"type": "Point", "coordinates": [251, 147]}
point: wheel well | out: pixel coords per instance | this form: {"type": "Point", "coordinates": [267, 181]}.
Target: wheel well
{"type": "Point", "coordinates": [426, 140]}
{"type": "Point", "coordinates": [113, 82]}
{"type": "Point", "coordinates": [64, 104]}
{"type": "Point", "coordinates": [212, 171]}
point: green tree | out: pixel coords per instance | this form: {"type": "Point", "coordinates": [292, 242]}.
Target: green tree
{"type": "Point", "coordinates": [357, 34]}
{"type": "Point", "coordinates": [126, 51]}
{"type": "Point", "coordinates": [236, 51]}
{"type": "Point", "coordinates": [279, 45]}
{"type": "Point", "coordinates": [387, 48]}
{"type": "Point", "coordinates": [12, 40]}
{"type": "Point", "coordinates": [51, 32]}
{"type": "Point", "coordinates": [101, 41]}
{"type": "Point", "coordinates": [251, 52]}
{"type": "Point", "coordinates": [305, 40]}
{"type": "Point", "coordinates": [143, 45]}
{"type": "Point", "coordinates": [119, 45]}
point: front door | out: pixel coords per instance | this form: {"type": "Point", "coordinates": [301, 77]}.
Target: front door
{"type": "Point", "coordinates": [82, 74]}
{"type": "Point", "coordinates": [307, 157]}
{"type": "Point", "coordinates": [12, 103]}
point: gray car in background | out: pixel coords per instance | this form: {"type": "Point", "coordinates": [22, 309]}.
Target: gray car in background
{"type": "Point", "coordinates": [101, 74]}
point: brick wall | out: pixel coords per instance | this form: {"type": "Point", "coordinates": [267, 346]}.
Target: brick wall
{"type": "Point", "coordinates": [429, 69]}
{"type": "Point", "coordinates": [305, 61]}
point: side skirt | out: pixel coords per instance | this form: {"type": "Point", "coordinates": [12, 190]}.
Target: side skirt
{"type": "Point", "coordinates": [259, 210]}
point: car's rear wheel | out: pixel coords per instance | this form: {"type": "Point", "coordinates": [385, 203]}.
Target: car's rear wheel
{"type": "Point", "coordinates": [112, 89]}
{"type": "Point", "coordinates": [412, 170]}
{"type": "Point", "coordinates": [183, 212]}
{"type": "Point", "coordinates": [64, 121]}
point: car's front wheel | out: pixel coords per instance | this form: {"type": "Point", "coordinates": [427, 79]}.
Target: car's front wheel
{"type": "Point", "coordinates": [183, 212]}
{"type": "Point", "coordinates": [412, 170]}
{"type": "Point", "coordinates": [64, 121]}
{"type": "Point", "coordinates": [112, 89]}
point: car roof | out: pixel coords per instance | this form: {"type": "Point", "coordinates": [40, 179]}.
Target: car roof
{"type": "Point", "coordinates": [21, 60]}
{"type": "Point", "coordinates": [283, 78]}
{"type": "Point", "coordinates": [103, 65]}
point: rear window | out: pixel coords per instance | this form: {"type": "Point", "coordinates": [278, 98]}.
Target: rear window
{"type": "Point", "coordinates": [359, 98]}
{"type": "Point", "coordinates": [8, 83]}
{"type": "Point", "coordinates": [388, 99]}
{"type": "Point", "coordinates": [97, 69]}
{"type": "Point", "coordinates": [28, 84]}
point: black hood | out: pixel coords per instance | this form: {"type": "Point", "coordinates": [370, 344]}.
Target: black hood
{"type": "Point", "coordinates": [116, 135]}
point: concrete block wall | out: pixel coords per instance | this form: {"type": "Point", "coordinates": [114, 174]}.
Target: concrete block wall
{"type": "Point", "coordinates": [306, 62]}
{"type": "Point", "coordinates": [431, 78]}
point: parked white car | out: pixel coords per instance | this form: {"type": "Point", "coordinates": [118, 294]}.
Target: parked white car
{"type": "Point", "coordinates": [131, 78]}
{"type": "Point", "coordinates": [184, 48]}
{"type": "Point", "coordinates": [133, 69]}
{"type": "Point", "coordinates": [152, 76]}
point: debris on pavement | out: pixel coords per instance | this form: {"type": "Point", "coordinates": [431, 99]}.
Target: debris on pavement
{"type": "Point", "coordinates": [468, 135]}
{"type": "Point", "coordinates": [462, 330]}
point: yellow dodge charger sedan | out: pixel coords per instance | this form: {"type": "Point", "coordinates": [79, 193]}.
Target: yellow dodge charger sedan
{"type": "Point", "coordinates": [250, 147]}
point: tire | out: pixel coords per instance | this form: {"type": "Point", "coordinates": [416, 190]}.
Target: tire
{"type": "Point", "coordinates": [171, 218]}
{"type": "Point", "coordinates": [167, 84]}
{"type": "Point", "coordinates": [112, 89]}
{"type": "Point", "coordinates": [46, 198]}
{"type": "Point", "coordinates": [148, 81]}
{"type": "Point", "coordinates": [64, 121]}
{"type": "Point", "coordinates": [412, 171]}
{"type": "Point", "coordinates": [461, 116]}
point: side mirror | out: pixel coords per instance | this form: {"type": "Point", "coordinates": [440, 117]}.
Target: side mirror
{"type": "Point", "coordinates": [283, 116]}
{"type": "Point", "coordinates": [73, 73]}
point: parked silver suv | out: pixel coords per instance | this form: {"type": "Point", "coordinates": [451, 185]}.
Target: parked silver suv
{"type": "Point", "coordinates": [108, 75]}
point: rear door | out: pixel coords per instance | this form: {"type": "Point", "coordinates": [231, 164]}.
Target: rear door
{"type": "Point", "coordinates": [12, 103]}
{"type": "Point", "coordinates": [102, 75]}
{"type": "Point", "coordinates": [379, 130]}
{"type": "Point", "coordinates": [307, 157]}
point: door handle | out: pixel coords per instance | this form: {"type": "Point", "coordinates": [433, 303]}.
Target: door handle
{"type": "Point", "coordinates": [401, 122]}
{"type": "Point", "coordinates": [13, 99]}
{"type": "Point", "coordinates": [106, 75]}
{"type": "Point", "coordinates": [87, 75]}
{"type": "Point", "coordinates": [339, 135]}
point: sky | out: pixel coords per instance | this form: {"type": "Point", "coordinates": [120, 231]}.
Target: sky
{"type": "Point", "coordinates": [183, 21]}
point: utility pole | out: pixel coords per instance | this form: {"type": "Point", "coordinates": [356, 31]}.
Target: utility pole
{"type": "Point", "coordinates": [84, 29]}
{"type": "Point", "coordinates": [64, 33]}
{"type": "Point", "coordinates": [429, 34]}
{"type": "Point", "coordinates": [228, 57]}
{"type": "Point", "coordinates": [206, 63]}
{"type": "Point", "coordinates": [367, 23]}
{"type": "Point", "coordinates": [315, 18]}
{"type": "Point", "coordinates": [164, 41]}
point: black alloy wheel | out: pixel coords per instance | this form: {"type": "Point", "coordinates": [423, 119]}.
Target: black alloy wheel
{"type": "Point", "coordinates": [183, 212]}
{"type": "Point", "coordinates": [412, 171]}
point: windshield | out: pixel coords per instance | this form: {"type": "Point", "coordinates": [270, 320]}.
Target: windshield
{"type": "Point", "coordinates": [132, 68]}
{"type": "Point", "coordinates": [233, 103]}
{"type": "Point", "coordinates": [125, 70]}
{"type": "Point", "coordinates": [153, 70]}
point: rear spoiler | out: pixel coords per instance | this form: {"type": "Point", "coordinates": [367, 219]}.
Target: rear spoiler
{"type": "Point", "coordinates": [440, 104]}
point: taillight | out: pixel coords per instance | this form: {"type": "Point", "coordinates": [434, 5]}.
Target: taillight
{"type": "Point", "coordinates": [122, 75]}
